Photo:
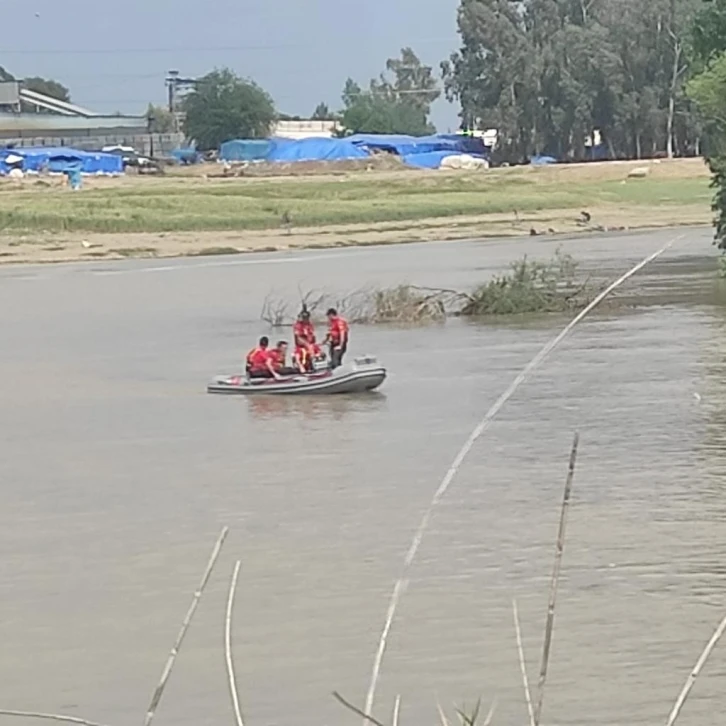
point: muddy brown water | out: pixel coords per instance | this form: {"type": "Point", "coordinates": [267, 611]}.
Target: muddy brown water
{"type": "Point", "coordinates": [119, 470]}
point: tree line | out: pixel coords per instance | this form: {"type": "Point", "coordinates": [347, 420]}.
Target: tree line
{"type": "Point", "coordinates": [707, 89]}
{"type": "Point", "coordinates": [46, 86]}
{"type": "Point", "coordinates": [552, 77]}
{"type": "Point", "coordinates": [643, 77]}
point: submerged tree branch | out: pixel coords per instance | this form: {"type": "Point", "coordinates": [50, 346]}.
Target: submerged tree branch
{"type": "Point", "coordinates": [50, 717]}
{"type": "Point", "coordinates": [355, 709]}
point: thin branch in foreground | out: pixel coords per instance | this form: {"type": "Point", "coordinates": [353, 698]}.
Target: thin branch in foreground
{"type": "Point", "coordinates": [469, 719]}
{"type": "Point", "coordinates": [490, 716]}
{"type": "Point", "coordinates": [50, 717]}
{"type": "Point", "coordinates": [549, 625]}
{"type": "Point", "coordinates": [185, 626]}
{"type": "Point", "coordinates": [683, 695]}
{"type": "Point", "coordinates": [355, 709]}
{"type": "Point", "coordinates": [396, 711]}
{"type": "Point", "coordinates": [522, 662]}
{"type": "Point", "coordinates": [442, 715]}
{"type": "Point", "coordinates": [402, 583]}
{"type": "Point", "coordinates": [233, 692]}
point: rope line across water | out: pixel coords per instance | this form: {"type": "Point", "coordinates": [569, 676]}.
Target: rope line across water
{"type": "Point", "coordinates": [402, 582]}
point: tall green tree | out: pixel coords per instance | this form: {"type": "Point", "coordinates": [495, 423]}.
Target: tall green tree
{"type": "Point", "coordinates": [224, 106]}
{"type": "Point", "coordinates": [397, 102]}
{"type": "Point", "coordinates": [708, 32]}
{"type": "Point", "coordinates": [548, 74]}
{"type": "Point", "coordinates": [322, 113]}
{"type": "Point", "coordinates": [708, 91]}
{"type": "Point", "coordinates": [160, 119]}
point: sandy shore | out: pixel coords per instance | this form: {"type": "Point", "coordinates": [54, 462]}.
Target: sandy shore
{"type": "Point", "coordinates": [83, 246]}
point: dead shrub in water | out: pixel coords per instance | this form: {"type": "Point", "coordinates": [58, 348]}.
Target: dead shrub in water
{"type": "Point", "coordinates": [529, 286]}
{"type": "Point", "coordinates": [406, 304]}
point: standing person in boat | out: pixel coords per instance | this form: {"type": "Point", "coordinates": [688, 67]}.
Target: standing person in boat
{"type": "Point", "coordinates": [278, 356]}
{"type": "Point", "coordinates": [260, 361]}
{"type": "Point", "coordinates": [306, 349]}
{"type": "Point", "coordinates": [337, 337]}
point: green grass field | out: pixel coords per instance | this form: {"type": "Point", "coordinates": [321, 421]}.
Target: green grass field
{"type": "Point", "coordinates": [139, 204]}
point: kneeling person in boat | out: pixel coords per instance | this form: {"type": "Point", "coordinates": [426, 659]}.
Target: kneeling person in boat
{"type": "Point", "coordinates": [260, 361]}
{"type": "Point", "coordinates": [278, 358]}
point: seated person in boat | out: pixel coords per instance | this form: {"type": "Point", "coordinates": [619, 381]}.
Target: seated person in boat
{"type": "Point", "coordinates": [260, 361]}
{"type": "Point", "coordinates": [306, 349]}
{"type": "Point", "coordinates": [278, 357]}
{"type": "Point", "coordinates": [337, 337]}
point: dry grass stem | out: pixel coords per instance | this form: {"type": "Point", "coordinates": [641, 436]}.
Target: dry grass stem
{"type": "Point", "coordinates": [490, 715]}
{"type": "Point", "coordinates": [522, 662]}
{"type": "Point", "coordinates": [560, 546]}
{"type": "Point", "coordinates": [683, 695]}
{"type": "Point", "coordinates": [442, 715]}
{"type": "Point", "coordinates": [184, 627]}
{"type": "Point", "coordinates": [401, 584]}
{"type": "Point", "coordinates": [396, 711]}
{"type": "Point", "coordinates": [233, 691]}
{"type": "Point", "coordinates": [469, 719]}
{"type": "Point", "coordinates": [355, 709]}
{"type": "Point", "coordinates": [50, 717]}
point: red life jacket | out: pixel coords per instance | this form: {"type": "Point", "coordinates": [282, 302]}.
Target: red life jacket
{"type": "Point", "coordinates": [304, 332]}
{"type": "Point", "coordinates": [338, 330]}
{"type": "Point", "coordinates": [257, 360]}
{"type": "Point", "coordinates": [277, 359]}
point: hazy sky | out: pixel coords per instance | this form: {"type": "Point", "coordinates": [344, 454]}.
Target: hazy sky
{"type": "Point", "coordinates": [301, 51]}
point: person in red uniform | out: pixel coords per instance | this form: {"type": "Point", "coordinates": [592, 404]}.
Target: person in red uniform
{"type": "Point", "coordinates": [306, 349]}
{"type": "Point", "coordinates": [337, 337]}
{"type": "Point", "coordinates": [259, 361]}
{"type": "Point", "coordinates": [278, 358]}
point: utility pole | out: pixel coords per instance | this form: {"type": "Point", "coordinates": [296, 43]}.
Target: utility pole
{"type": "Point", "coordinates": [171, 83]}
{"type": "Point", "coordinates": [175, 84]}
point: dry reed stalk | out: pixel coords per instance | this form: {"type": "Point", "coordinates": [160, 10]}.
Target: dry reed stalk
{"type": "Point", "coordinates": [401, 584]}
{"type": "Point", "coordinates": [233, 692]}
{"type": "Point", "coordinates": [442, 715]}
{"type": "Point", "coordinates": [396, 711]}
{"type": "Point", "coordinates": [683, 695]}
{"type": "Point", "coordinates": [522, 662]}
{"type": "Point", "coordinates": [355, 709]}
{"type": "Point", "coordinates": [50, 717]}
{"type": "Point", "coordinates": [560, 546]}
{"type": "Point", "coordinates": [490, 716]}
{"type": "Point", "coordinates": [184, 627]}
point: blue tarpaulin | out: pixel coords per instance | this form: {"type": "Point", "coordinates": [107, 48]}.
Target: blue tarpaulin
{"type": "Point", "coordinates": [419, 151]}
{"type": "Point", "coordinates": [427, 160]}
{"type": "Point", "coordinates": [469, 144]}
{"type": "Point", "coordinates": [407, 145]}
{"type": "Point", "coordinates": [186, 156]}
{"type": "Point", "coordinates": [60, 159]}
{"type": "Point", "coordinates": [245, 149]}
{"type": "Point", "coordinates": [542, 160]}
{"type": "Point", "coordinates": [316, 149]}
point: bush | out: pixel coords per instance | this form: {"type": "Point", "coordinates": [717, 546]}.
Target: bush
{"type": "Point", "coordinates": [528, 287]}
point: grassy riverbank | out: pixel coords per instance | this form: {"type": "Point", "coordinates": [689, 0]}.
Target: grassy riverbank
{"type": "Point", "coordinates": [188, 214]}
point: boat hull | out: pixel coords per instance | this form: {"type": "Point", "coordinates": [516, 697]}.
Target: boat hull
{"type": "Point", "coordinates": [363, 374]}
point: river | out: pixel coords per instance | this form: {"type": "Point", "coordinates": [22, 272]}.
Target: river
{"type": "Point", "coordinates": [119, 471]}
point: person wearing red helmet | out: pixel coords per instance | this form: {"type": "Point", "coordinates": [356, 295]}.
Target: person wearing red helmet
{"type": "Point", "coordinates": [306, 349]}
